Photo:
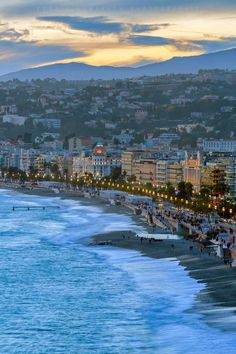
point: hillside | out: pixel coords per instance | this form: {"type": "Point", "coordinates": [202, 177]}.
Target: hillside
{"type": "Point", "coordinates": [79, 71]}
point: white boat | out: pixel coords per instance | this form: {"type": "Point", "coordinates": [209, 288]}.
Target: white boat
{"type": "Point", "coordinates": [56, 190]}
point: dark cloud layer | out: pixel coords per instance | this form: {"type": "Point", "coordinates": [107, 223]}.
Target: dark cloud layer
{"type": "Point", "coordinates": [101, 24]}
{"type": "Point", "coordinates": [215, 45]}
{"type": "Point", "coordinates": [208, 45]}
{"type": "Point", "coordinates": [150, 40]}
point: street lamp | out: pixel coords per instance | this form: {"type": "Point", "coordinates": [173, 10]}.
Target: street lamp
{"type": "Point", "coordinates": [223, 210]}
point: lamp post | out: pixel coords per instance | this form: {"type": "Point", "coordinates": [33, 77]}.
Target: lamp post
{"type": "Point", "coordinates": [223, 210]}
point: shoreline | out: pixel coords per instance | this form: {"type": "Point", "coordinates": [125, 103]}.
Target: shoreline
{"type": "Point", "coordinates": [219, 279]}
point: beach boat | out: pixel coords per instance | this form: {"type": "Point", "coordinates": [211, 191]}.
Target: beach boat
{"type": "Point", "coordinates": [56, 190]}
{"type": "Point", "coordinates": [114, 202]}
{"type": "Point", "coordinates": [87, 195]}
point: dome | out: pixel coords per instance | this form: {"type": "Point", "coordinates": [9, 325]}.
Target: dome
{"type": "Point", "coordinates": [99, 150]}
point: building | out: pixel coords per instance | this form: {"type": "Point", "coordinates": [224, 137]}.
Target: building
{"type": "Point", "coordinates": [99, 166]}
{"type": "Point", "coordinates": [175, 173]}
{"type": "Point", "coordinates": [140, 116]}
{"type": "Point", "coordinates": [231, 178]}
{"type": "Point", "coordinates": [81, 164]}
{"type": "Point", "coordinates": [49, 123]}
{"type": "Point", "coordinates": [214, 173]}
{"type": "Point", "coordinates": [162, 172]}
{"type": "Point", "coordinates": [192, 171]}
{"type": "Point", "coordinates": [74, 144]}
{"type": "Point", "coordinates": [145, 170]}
{"type": "Point", "coordinates": [219, 145]}
{"type": "Point", "coordinates": [97, 163]}
{"type": "Point", "coordinates": [26, 159]}
{"type": "Point", "coordinates": [39, 164]}
{"type": "Point", "coordinates": [127, 162]}
{"type": "Point", "coordinates": [14, 119]}
{"type": "Point", "coordinates": [67, 165]}
{"type": "Point", "coordinates": [54, 145]}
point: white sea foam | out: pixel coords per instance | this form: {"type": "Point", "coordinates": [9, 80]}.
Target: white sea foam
{"type": "Point", "coordinates": [168, 294]}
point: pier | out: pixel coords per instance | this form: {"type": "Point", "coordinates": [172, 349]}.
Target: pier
{"type": "Point", "coordinates": [36, 207]}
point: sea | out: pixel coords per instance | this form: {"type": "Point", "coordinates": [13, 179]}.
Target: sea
{"type": "Point", "coordinates": [59, 295]}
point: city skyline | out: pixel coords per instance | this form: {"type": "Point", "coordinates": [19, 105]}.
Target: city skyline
{"type": "Point", "coordinates": [111, 32]}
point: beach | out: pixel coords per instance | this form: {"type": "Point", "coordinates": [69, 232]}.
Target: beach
{"type": "Point", "coordinates": [219, 279]}
{"type": "Point", "coordinates": [64, 289]}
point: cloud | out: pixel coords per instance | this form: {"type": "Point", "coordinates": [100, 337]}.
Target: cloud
{"type": "Point", "coordinates": [57, 35]}
{"type": "Point", "coordinates": [142, 28]}
{"type": "Point", "coordinates": [33, 7]}
{"type": "Point", "coordinates": [8, 32]}
{"type": "Point", "coordinates": [101, 24]}
{"type": "Point", "coordinates": [213, 45]}
{"type": "Point", "coordinates": [150, 40]}
{"type": "Point", "coordinates": [12, 34]}
{"type": "Point", "coordinates": [206, 45]}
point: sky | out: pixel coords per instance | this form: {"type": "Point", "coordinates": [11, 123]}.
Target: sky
{"type": "Point", "coordinates": [111, 32]}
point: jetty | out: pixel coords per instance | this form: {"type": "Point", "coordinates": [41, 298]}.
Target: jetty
{"type": "Point", "coordinates": [34, 207]}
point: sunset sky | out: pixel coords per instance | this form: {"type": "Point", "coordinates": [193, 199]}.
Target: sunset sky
{"type": "Point", "coordinates": [111, 32]}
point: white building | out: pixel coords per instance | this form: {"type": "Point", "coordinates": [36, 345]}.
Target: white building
{"type": "Point", "coordinates": [49, 123]}
{"type": "Point", "coordinates": [26, 159]}
{"type": "Point", "coordinates": [219, 145]}
{"type": "Point", "coordinates": [97, 163]}
{"type": "Point", "coordinates": [14, 119]}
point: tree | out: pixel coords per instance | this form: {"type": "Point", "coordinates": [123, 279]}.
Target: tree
{"type": "Point", "coordinates": [181, 189]}
{"type": "Point", "coordinates": [115, 173]}
{"type": "Point", "coordinates": [149, 185]}
{"type": "Point", "coordinates": [131, 178]}
{"type": "Point", "coordinates": [220, 188]}
{"type": "Point", "coordinates": [170, 189]}
{"type": "Point", "coordinates": [185, 189]}
{"type": "Point", "coordinates": [188, 189]}
{"type": "Point", "coordinates": [204, 191]}
{"type": "Point", "coordinates": [54, 169]}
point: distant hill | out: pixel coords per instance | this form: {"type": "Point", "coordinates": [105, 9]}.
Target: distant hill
{"type": "Point", "coordinates": [77, 71]}
{"type": "Point", "coordinates": [186, 65]}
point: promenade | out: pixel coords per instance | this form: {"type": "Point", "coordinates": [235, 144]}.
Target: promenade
{"type": "Point", "coordinates": [212, 234]}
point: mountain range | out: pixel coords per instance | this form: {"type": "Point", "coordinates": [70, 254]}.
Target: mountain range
{"type": "Point", "coordinates": [178, 65]}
